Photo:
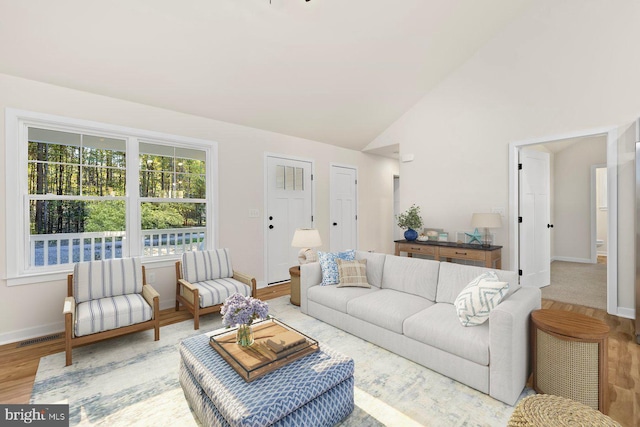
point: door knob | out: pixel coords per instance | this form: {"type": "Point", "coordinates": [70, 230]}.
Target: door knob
{"type": "Point", "coordinates": [270, 227]}
{"type": "Point", "coordinates": [549, 225]}
{"type": "Point", "coordinates": [335, 223]}
{"type": "Point", "coordinates": [270, 218]}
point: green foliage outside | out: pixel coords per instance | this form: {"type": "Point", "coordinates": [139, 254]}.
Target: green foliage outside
{"type": "Point", "coordinates": [107, 216]}
{"type": "Point", "coordinates": [160, 217]}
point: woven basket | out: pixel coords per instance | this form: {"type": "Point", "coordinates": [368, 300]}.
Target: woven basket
{"type": "Point", "coordinates": [549, 410]}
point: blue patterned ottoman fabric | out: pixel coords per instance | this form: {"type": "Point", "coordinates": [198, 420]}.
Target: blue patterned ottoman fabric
{"type": "Point", "coordinates": [327, 409]}
{"type": "Point", "coordinates": [271, 398]}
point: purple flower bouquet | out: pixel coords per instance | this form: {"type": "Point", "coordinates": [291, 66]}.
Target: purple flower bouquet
{"type": "Point", "coordinates": [241, 310]}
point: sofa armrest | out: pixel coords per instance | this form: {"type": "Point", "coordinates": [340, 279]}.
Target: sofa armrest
{"type": "Point", "coordinates": [310, 275]}
{"type": "Point", "coordinates": [510, 343]}
{"type": "Point", "coordinates": [247, 280]}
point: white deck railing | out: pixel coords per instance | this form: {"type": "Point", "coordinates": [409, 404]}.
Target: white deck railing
{"type": "Point", "coordinates": [69, 248]}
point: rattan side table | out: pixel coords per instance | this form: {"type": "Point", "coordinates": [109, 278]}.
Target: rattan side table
{"type": "Point", "coordinates": [570, 356]}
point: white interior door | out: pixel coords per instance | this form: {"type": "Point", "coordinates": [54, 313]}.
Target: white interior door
{"type": "Point", "coordinates": [289, 206]}
{"type": "Point", "coordinates": [344, 208]}
{"type": "Point", "coordinates": [535, 240]}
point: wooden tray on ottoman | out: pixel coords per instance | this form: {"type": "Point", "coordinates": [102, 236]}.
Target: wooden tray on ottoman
{"type": "Point", "coordinates": [259, 359]}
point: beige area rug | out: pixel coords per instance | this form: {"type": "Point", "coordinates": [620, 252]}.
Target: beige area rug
{"type": "Point", "coordinates": [578, 283]}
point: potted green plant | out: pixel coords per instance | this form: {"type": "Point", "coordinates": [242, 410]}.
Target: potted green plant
{"type": "Point", "coordinates": [411, 220]}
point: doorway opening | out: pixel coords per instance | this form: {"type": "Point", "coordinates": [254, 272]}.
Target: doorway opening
{"type": "Point", "coordinates": [572, 222]}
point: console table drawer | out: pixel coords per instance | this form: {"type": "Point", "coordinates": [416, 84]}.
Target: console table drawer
{"type": "Point", "coordinates": [469, 254]}
{"type": "Point", "coordinates": [417, 249]}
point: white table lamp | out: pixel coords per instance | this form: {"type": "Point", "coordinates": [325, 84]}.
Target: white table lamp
{"type": "Point", "coordinates": [486, 221]}
{"type": "Point", "coordinates": [306, 238]}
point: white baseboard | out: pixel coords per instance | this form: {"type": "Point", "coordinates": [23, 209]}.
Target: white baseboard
{"type": "Point", "coordinates": [28, 333]}
{"type": "Point", "coordinates": [602, 253]}
{"type": "Point", "coordinates": [570, 259]}
{"type": "Point", "coordinates": [628, 313]}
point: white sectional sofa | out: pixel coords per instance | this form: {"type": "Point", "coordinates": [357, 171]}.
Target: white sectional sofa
{"type": "Point", "coordinates": [409, 310]}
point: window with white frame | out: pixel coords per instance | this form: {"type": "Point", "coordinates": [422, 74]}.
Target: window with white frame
{"type": "Point", "coordinates": [89, 191]}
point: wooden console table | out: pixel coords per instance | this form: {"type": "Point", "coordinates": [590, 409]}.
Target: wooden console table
{"type": "Point", "coordinates": [446, 251]}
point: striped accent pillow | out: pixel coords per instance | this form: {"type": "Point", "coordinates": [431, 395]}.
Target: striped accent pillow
{"type": "Point", "coordinates": [107, 278]}
{"type": "Point", "coordinates": [479, 297]}
{"type": "Point", "coordinates": [353, 273]}
{"type": "Point", "coordinates": [198, 266]}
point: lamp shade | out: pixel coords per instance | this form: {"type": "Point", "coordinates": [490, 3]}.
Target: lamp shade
{"type": "Point", "coordinates": [486, 220]}
{"type": "Point", "coordinates": [306, 238]}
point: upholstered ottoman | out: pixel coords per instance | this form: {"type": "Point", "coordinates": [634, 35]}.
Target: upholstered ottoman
{"type": "Point", "coordinates": [315, 390]}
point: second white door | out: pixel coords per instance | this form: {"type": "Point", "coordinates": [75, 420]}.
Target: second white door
{"type": "Point", "coordinates": [344, 208]}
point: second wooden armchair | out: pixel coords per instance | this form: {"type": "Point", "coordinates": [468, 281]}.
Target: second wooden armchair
{"type": "Point", "coordinates": [205, 279]}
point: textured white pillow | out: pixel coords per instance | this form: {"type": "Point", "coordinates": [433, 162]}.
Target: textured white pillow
{"type": "Point", "coordinates": [479, 297]}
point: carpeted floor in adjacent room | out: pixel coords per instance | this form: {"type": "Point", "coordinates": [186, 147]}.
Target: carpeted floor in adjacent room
{"type": "Point", "coordinates": [578, 283]}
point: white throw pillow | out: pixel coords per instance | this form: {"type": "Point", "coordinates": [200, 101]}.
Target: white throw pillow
{"type": "Point", "coordinates": [479, 297]}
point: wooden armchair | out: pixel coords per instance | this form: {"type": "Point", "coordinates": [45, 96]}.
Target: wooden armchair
{"type": "Point", "coordinates": [108, 299]}
{"type": "Point", "coordinates": [205, 279]}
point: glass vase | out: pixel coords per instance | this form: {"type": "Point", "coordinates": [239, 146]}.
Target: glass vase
{"type": "Point", "coordinates": [244, 335]}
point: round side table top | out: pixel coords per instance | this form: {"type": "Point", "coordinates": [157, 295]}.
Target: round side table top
{"type": "Point", "coordinates": [569, 323]}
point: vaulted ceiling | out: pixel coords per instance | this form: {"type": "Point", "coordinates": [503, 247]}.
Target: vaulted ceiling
{"type": "Point", "coordinates": [334, 71]}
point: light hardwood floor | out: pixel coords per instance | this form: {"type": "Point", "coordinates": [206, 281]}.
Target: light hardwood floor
{"type": "Point", "coordinates": [18, 365]}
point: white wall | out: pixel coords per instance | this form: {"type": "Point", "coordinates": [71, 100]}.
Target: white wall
{"type": "Point", "coordinates": [36, 309]}
{"type": "Point", "coordinates": [563, 67]}
{"type": "Point", "coordinates": [572, 195]}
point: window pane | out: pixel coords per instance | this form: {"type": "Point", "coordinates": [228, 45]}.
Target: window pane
{"type": "Point", "coordinates": [190, 186]}
{"type": "Point", "coordinates": [172, 228]}
{"type": "Point", "coordinates": [98, 181]}
{"type": "Point", "coordinates": [156, 184]}
{"type": "Point", "coordinates": [280, 177]}
{"type": "Point", "coordinates": [288, 178]}
{"type": "Point", "coordinates": [63, 231]}
{"type": "Point", "coordinates": [102, 151]}
{"type": "Point", "coordinates": [53, 146]}
{"type": "Point", "coordinates": [172, 172]}
{"type": "Point", "coordinates": [299, 179]}
{"type": "Point", "coordinates": [53, 179]}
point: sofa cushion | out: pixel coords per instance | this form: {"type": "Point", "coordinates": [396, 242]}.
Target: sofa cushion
{"type": "Point", "coordinates": [375, 265]}
{"type": "Point", "coordinates": [386, 308]}
{"type": "Point", "coordinates": [103, 314]}
{"type": "Point", "coordinates": [330, 267]}
{"type": "Point", "coordinates": [336, 298]}
{"type": "Point", "coordinates": [478, 298]}
{"type": "Point", "coordinates": [206, 265]}
{"type": "Point", "coordinates": [438, 326]}
{"type": "Point", "coordinates": [214, 292]}
{"type": "Point", "coordinates": [353, 273]}
{"type": "Point", "coordinates": [454, 278]}
{"type": "Point", "coordinates": [411, 275]}
{"type": "Point", "coordinates": [107, 278]}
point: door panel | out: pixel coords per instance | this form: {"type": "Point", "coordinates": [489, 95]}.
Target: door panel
{"type": "Point", "coordinates": [344, 224]}
{"type": "Point", "coordinates": [535, 241]}
{"type": "Point", "coordinates": [289, 199]}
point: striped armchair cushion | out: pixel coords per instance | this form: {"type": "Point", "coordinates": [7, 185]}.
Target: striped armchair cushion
{"type": "Point", "coordinates": [214, 292]}
{"type": "Point", "coordinates": [100, 279]}
{"type": "Point", "coordinates": [111, 313]}
{"type": "Point", "coordinates": [198, 266]}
